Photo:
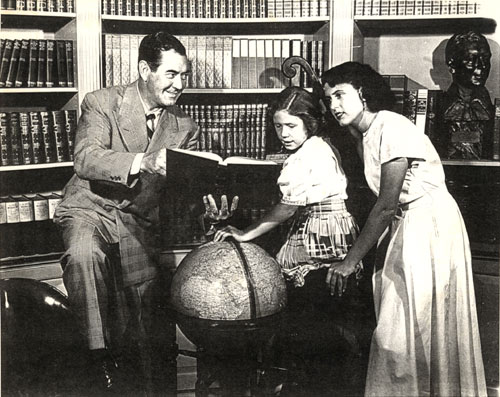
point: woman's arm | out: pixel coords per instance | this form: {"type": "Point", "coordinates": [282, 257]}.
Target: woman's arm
{"type": "Point", "coordinates": [358, 140]}
{"type": "Point", "coordinates": [382, 213]}
{"type": "Point", "coordinates": [279, 214]}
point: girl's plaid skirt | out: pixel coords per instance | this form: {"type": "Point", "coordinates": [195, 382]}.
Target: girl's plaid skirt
{"type": "Point", "coordinates": [320, 234]}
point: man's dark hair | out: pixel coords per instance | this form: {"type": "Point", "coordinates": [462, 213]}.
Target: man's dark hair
{"type": "Point", "coordinates": [153, 44]}
{"type": "Point", "coordinates": [372, 85]}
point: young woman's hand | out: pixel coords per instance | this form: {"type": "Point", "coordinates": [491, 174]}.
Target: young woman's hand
{"type": "Point", "coordinates": [229, 231]}
{"type": "Point", "coordinates": [336, 279]}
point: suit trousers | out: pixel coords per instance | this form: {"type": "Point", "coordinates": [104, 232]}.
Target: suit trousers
{"type": "Point", "coordinates": [108, 313]}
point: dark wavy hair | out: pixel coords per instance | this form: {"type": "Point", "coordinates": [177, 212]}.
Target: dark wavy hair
{"type": "Point", "coordinates": [457, 46]}
{"type": "Point", "coordinates": [153, 44]}
{"type": "Point", "coordinates": [302, 104]}
{"type": "Point", "coordinates": [374, 89]}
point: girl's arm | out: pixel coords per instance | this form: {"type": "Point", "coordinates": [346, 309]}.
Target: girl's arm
{"type": "Point", "coordinates": [382, 213]}
{"type": "Point", "coordinates": [279, 214]}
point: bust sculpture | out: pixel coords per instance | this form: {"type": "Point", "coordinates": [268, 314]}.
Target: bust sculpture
{"type": "Point", "coordinates": [468, 111]}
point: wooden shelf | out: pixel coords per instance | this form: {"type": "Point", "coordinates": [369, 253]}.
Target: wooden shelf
{"type": "Point", "coordinates": [229, 26]}
{"type": "Point", "coordinates": [27, 167]}
{"type": "Point", "coordinates": [46, 21]}
{"type": "Point", "coordinates": [235, 90]}
{"type": "Point", "coordinates": [45, 90]}
{"type": "Point", "coordinates": [419, 24]}
{"type": "Point", "coordinates": [474, 163]}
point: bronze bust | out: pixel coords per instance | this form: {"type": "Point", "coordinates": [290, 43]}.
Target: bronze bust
{"type": "Point", "coordinates": [468, 111]}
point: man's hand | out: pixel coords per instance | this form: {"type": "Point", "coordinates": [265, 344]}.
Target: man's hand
{"type": "Point", "coordinates": [155, 162]}
{"type": "Point", "coordinates": [213, 214]}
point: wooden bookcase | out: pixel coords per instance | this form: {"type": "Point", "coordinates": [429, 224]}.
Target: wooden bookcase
{"type": "Point", "coordinates": [410, 45]}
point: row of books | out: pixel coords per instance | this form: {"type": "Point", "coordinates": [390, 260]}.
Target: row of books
{"type": "Point", "coordinates": [183, 228]}
{"type": "Point", "coordinates": [216, 8]}
{"type": "Point", "coordinates": [36, 63]}
{"type": "Point", "coordinates": [37, 137]}
{"type": "Point", "coordinates": [30, 207]}
{"type": "Point", "coordinates": [39, 5]}
{"type": "Point", "coordinates": [231, 130]}
{"type": "Point", "coordinates": [220, 61]}
{"type": "Point", "coordinates": [416, 7]}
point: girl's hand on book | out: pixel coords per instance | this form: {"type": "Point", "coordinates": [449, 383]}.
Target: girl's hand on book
{"type": "Point", "coordinates": [229, 231]}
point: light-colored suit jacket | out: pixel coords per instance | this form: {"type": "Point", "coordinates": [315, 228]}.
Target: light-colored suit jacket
{"type": "Point", "coordinates": [111, 131]}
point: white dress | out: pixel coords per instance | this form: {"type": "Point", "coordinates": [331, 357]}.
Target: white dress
{"type": "Point", "coordinates": [426, 341]}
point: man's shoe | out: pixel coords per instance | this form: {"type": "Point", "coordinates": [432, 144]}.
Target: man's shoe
{"type": "Point", "coordinates": [105, 369]}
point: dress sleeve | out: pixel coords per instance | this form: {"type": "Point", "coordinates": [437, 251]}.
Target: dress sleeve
{"type": "Point", "coordinates": [402, 139]}
{"type": "Point", "coordinates": [293, 181]}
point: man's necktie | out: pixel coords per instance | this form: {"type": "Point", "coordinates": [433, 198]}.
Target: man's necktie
{"type": "Point", "coordinates": [150, 119]}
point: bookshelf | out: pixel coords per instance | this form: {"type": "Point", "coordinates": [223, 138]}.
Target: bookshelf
{"type": "Point", "coordinates": [32, 244]}
{"type": "Point", "coordinates": [414, 45]}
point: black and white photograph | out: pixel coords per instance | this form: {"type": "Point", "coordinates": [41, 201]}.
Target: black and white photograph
{"type": "Point", "coordinates": [249, 198]}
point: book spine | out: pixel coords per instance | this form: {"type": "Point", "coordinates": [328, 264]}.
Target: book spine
{"type": "Point", "coordinates": [23, 66]}
{"type": "Point", "coordinates": [296, 50]}
{"type": "Point", "coordinates": [192, 47]}
{"type": "Point", "coordinates": [14, 137]}
{"type": "Point", "coordinates": [14, 60]}
{"type": "Point", "coordinates": [218, 61]}
{"type": "Point", "coordinates": [70, 131]}
{"type": "Point", "coordinates": [277, 76]}
{"type": "Point", "coordinates": [421, 111]}
{"type": "Point", "coordinates": [244, 74]}
{"type": "Point", "coordinates": [25, 138]}
{"type": "Point", "coordinates": [229, 124]}
{"type": "Point", "coordinates": [227, 62]}
{"type": "Point", "coordinates": [236, 129]}
{"type": "Point", "coordinates": [134, 57]}
{"type": "Point", "coordinates": [410, 105]}
{"type": "Point", "coordinates": [261, 64]}
{"type": "Point", "coordinates": [252, 63]}
{"type": "Point", "coordinates": [4, 139]}
{"type": "Point", "coordinates": [496, 131]}
{"type": "Point", "coordinates": [305, 8]}
{"type": "Point", "coordinates": [242, 130]}
{"type": "Point", "coordinates": [108, 56]}
{"type": "Point", "coordinates": [47, 138]}
{"type": "Point", "coordinates": [33, 63]}
{"type": "Point", "coordinates": [209, 61]}
{"type": "Point", "coordinates": [285, 53]}
{"type": "Point", "coordinates": [5, 62]}
{"type": "Point", "coordinates": [201, 50]}
{"type": "Point", "coordinates": [116, 49]}
{"type": "Point", "coordinates": [250, 132]}
{"type": "Point", "coordinates": [36, 138]}
{"type": "Point", "coordinates": [50, 68]}
{"type": "Point", "coordinates": [58, 131]}
{"type": "Point", "coordinates": [124, 59]}
{"type": "Point", "coordinates": [70, 72]}
{"type": "Point", "coordinates": [268, 63]}
{"type": "Point", "coordinates": [62, 72]}
{"type": "Point", "coordinates": [236, 64]}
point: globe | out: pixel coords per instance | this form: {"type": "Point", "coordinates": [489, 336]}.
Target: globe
{"type": "Point", "coordinates": [228, 281]}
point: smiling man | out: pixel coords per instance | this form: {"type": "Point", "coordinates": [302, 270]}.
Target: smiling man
{"type": "Point", "coordinates": [109, 214]}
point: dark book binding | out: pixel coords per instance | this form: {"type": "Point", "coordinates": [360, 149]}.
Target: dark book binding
{"type": "Point", "coordinates": [23, 65]}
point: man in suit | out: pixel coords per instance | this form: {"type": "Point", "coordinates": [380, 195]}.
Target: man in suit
{"type": "Point", "coordinates": [109, 214]}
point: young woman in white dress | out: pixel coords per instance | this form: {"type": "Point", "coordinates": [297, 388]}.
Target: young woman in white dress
{"type": "Point", "coordinates": [426, 341]}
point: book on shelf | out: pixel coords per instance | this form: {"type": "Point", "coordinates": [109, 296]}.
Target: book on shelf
{"type": "Point", "coordinates": [70, 124]}
{"type": "Point", "coordinates": [496, 131]}
{"type": "Point", "coordinates": [209, 61]}
{"type": "Point", "coordinates": [36, 137]}
{"type": "Point", "coordinates": [23, 65]}
{"type": "Point", "coordinates": [244, 77]}
{"type": "Point", "coordinates": [70, 77]}
{"type": "Point", "coordinates": [191, 54]}
{"type": "Point", "coordinates": [201, 42]}
{"type": "Point", "coordinates": [42, 63]}
{"type": "Point", "coordinates": [218, 61]}
{"type": "Point", "coordinates": [5, 61]}
{"type": "Point", "coordinates": [14, 139]}
{"type": "Point", "coordinates": [261, 64]}
{"type": "Point", "coordinates": [25, 137]}
{"type": "Point", "coordinates": [50, 71]}
{"type": "Point", "coordinates": [125, 59]}
{"type": "Point", "coordinates": [14, 60]}
{"type": "Point", "coordinates": [47, 138]}
{"type": "Point", "coordinates": [108, 60]}
{"type": "Point", "coordinates": [236, 64]}
{"type": "Point", "coordinates": [4, 139]}
{"type": "Point", "coordinates": [33, 63]}
{"type": "Point", "coordinates": [252, 63]}
{"type": "Point", "coordinates": [59, 138]}
{"type": "Point", "coordinates": [226, 63]}
{"type": "Point", "coordinates": [62, 67]}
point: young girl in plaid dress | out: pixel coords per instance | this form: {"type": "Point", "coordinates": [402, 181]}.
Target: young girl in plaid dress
{"type": "Point", "coordinates": [313, 187]}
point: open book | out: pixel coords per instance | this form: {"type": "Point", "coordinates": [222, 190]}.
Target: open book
{"type": "Point", "coordinates": [220, 161]}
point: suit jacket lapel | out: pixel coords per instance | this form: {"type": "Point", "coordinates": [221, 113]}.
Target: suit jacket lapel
{"type": "Point", "coordinates": [169, 131]}
{"type": "Point", "coordinates": [131, 120]}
